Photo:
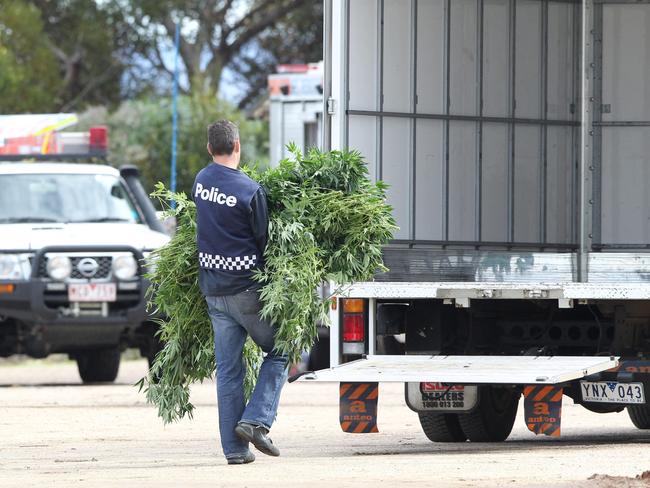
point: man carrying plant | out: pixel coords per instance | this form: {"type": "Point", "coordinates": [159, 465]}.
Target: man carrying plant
{"type": "Point", "coordinates": [232, 224]}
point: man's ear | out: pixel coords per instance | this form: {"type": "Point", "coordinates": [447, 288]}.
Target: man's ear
{"type": "Point", "coordinates": [237, 147]}
{"type": "Point", "coordinates": [209, 148]}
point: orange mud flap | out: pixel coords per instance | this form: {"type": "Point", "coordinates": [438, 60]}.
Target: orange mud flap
{"type": "Point", "coordinates": [543, 409]}
{"type": "Point", "coordinates": [358, 407]}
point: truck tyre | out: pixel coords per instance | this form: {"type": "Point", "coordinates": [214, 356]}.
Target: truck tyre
{"type": "Point", "coordinates": [640, 415]}
{"type": "Point", "coordinates": [442, 427]}
{"type": "Point", "coordinates": [99, 365]}
{"type": "Point", "coordinates": [319, 356]}
{"type": "Point", "coordinates": [493, 417]}
{"type": "Point", "coordinates": [155, 346]}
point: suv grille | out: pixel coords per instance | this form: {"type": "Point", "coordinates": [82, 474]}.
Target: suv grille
{"type": "Point", "coordinates": [103, 271]}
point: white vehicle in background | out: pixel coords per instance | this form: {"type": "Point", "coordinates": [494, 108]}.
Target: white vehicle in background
{"type": "Point", "coordinates": [73, 243]}
{"type": "Point", "coordinates": [295, 108]}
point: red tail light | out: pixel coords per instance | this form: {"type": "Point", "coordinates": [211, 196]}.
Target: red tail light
{"type": "Point", "coordinates": [354, 329]}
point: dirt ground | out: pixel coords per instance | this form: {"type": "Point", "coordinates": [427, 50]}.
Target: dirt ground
{"type": "Point", "coordinates": [56, 432]}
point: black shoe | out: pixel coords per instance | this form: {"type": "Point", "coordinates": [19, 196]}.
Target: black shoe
{"type": "Point", "coordinates": [249, 457]}
{"type": "Point", "coordinates": [258, 437]}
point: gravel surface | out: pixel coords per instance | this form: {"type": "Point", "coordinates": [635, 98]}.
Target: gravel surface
{"type": "Point", "coordinates": [56, 432]}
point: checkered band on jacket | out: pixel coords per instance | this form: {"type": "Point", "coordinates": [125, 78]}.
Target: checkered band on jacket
{"type": "Point", "coordinates": [227, 263]}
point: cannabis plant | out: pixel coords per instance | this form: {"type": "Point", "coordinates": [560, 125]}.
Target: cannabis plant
{"type": "Point", "coordinates": [327, 222]}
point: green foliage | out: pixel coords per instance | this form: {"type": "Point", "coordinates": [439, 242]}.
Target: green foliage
{"type": "Point", "coordinates": [85, 39]}
{"type": "Point", "coordinates": [298, 38]}
{"type": "Point", "coordinates": [65, 55]}
{"type": "Point", "coordinates": [187, 332]}
{"type": "Point", "coordinates": [58, 55]}
{"type": "Point", "coordinates": [140, 134]}
{"type": "Point", "coordinates": [243, 40]}
{"type": "Point", "coordinates": [29, 74]}
{"type": "Point", "coordinates": [327, 221]}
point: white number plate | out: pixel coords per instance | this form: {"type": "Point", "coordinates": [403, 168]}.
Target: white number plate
{"type": "Point", "coordinates": [92, 292]}
{"type": "Point", "coordinates": [612, 392]}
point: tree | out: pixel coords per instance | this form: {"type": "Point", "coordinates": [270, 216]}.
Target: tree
{"type": "Point", "coordinates": [84, 38]}
{"type": "Point", "coordinates": [28, 73]}
{"type": "Point", "coordinates": [296, 39]}
{"type": "Point", "coordinates": [219, 34]}
{"type": "Point", "coordinates": [59, 55]}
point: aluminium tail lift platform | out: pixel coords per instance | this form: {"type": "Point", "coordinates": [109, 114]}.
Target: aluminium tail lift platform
{"type": "Point", "coordinates": [466, 370]}
{"type": "Point", "coordinates": [541, 378]}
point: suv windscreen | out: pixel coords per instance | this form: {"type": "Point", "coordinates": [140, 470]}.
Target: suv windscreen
{"type": "Point", "coordinates": [64, 198]}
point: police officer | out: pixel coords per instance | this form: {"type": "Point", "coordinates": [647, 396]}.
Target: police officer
{"type": "Point", "coordinates": [232, 224]}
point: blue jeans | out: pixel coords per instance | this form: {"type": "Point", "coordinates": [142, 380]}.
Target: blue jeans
{"type": "Point", "coordinates": [234, 317]}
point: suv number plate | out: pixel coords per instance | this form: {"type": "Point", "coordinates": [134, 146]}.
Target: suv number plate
{"type": "Point", "coordinates": [612, 392]}
{"type": "Point", "coordinates": [92, 292]}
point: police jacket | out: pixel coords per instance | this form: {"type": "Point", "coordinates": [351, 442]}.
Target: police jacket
{"type": "Point", "coordinates": [232, 225]}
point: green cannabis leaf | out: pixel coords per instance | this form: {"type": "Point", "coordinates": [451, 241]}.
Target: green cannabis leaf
{"type": "Point", "coordinates": [327, 221]}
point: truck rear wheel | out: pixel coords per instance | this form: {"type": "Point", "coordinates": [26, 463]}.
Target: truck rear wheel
{"type": "Point", "coordinates": [493, 417]}
{"type": "Point", "coordinates": [319, 356]}
{"type": "Point", "coordinates": [155, 346]}
{"type": "Point", "coordinates": [442, 427]}
{"type": "Point", "coordinates": [640, 415]}
{"type": "Point", "coordinates": [99, 365]}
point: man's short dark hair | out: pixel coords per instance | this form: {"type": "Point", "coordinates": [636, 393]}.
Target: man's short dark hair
{"type": "Point", "coordinates": [222, 136]}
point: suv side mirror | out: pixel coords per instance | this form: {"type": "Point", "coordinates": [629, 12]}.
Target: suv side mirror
{"type": "Point", "coordinates": [131, 175]}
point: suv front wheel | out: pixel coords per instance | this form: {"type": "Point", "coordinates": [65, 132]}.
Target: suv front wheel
{"type": "Point", "coordinates": [99, 365]}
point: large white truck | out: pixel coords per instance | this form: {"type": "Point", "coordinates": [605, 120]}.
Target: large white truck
{"type": "Point", "coordinates": [515, 137]}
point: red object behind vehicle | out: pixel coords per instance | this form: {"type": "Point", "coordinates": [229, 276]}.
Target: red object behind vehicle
{"type": "Point", "coordinates": [98, 139]}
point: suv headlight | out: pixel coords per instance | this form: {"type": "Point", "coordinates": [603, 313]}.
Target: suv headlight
{"type": "Point", "coordinates": [125, 267]}
{"type": "Point", "coordinates": [150, 261]}
{"type": "Point", "coordinates": [59, 267]}
{"type": "Point", "coordinates": [15, 267]}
